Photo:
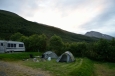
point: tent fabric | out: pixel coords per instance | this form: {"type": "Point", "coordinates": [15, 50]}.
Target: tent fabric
{"type": "Point", "coordinates": [50, 54]}
{"type": "Point", "coordinates": [66, 57]}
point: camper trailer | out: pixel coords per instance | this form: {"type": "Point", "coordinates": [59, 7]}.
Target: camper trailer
{"type": "Point", "coordinates": [11, 46]}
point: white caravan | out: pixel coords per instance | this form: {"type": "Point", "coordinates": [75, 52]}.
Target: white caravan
{"type": "Point", "coordinates": [11, 46]}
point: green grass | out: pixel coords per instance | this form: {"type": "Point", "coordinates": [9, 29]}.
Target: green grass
{"type": "Point", "coordinates": [56, 68]}
{"type": "Point", "coordinates": [81, 67]}
{"type": "Point", "coordinates": [17, 56]}
{"type": "Point", "coordinates": [84, 69]}
{"type": "Point", "coordinates": [109, 65]}
{"type": "Point", "coordinates": [104, 69]}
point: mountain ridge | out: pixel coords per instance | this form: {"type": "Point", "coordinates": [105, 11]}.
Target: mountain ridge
{"type": "Point", "coordinates": [98, 35]}
{"type": "Point", "coordinates": [11, 23]}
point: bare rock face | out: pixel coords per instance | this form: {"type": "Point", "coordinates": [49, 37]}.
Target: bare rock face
{"type": "Point", "coordinates": [98, 35]}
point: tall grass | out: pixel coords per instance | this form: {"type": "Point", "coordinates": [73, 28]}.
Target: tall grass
{"type": "Point", "coordinates": [85, 68]}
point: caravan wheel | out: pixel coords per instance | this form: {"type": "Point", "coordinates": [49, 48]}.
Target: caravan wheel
{"type": "Point", "coordinates": [11, 51]}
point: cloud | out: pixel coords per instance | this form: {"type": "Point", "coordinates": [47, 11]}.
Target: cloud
{"type": "Point", "coordinates": [19, 6]}
{"type": "Point", "coordinates": [105, 21]}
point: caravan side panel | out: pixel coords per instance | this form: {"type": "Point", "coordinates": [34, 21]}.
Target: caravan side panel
{"type": "Point", "coordinates": [10, 46]}
{"type": "Point", "coordinates": [15, 46]}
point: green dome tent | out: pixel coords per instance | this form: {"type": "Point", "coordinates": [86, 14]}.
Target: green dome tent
{"type": "Point", "coordinates": [66, 57]}
{"type": "Point", "coordinates": [50, 54]}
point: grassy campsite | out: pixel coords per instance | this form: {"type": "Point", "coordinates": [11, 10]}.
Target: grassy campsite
{"type": "Point", "coordinates": [93, 56]}
{"type": "Point", "coordinates": [80, 67]}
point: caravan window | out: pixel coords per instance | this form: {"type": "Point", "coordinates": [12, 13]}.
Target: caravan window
{"type": "Point", "coordinates": [14, 45]}
{"type": "Point", "coordinates": [20, 45]}
{"type": "Point", "coordinates": [11, 45]}
{"type": "Point", "coordinates": [8, 45]}
{"type": "Point", "coordinates": [1, 44]}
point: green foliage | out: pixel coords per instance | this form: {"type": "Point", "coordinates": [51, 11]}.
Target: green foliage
{"type": "Point", "coordinates": [36, 43]}
{"type": "Point", "coordinates": [32, 43]}
{"type": "Point", "coordinates": [14, 27]}
{"type": "Point", "coordinates": [42, 46]}
{"type": "Point", "coordinates": [103, 50]}
{"type": "Point", "coordinates": [56, 43]}
{"type": "Point", "coordinates": [84, 69]}
{"type": "Point", "coordinates": [78, 48]}
{"type": "Point", "coordinates": [111, 53]}
{"type": "Point", "coordinates": [16, 36]}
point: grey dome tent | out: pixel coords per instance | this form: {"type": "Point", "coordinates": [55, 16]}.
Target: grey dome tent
{"type": "Point", "coordinates": [66, 57]}
{"type": "Point", "coordinates": [50, 54]}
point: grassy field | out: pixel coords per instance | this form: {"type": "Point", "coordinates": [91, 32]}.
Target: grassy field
{"type": "Point", "coordinates": [104, 69]}
{"type": "Point", "coordinates": [57, 69]}
{"type": "Point", "coordinates": [81, 67]}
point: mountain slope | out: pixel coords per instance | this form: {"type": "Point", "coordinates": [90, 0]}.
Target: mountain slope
{"type": "Point", "coordinates": [98, 35]}
{"type": "Point", "coordinates": [11, 23]}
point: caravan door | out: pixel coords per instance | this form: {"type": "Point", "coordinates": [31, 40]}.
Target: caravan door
{"type": "Point", "coordinates": [2, 47]}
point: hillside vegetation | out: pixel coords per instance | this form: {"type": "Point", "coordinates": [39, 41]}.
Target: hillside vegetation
{"type": "Point", "coordinates": [11, 23]}
{"type": "Point", "coordinates": [42, 37]}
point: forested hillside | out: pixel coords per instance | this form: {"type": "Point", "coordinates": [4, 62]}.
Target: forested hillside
{"type": "Point", "coordinates": [42, 37]}
{"type": "Point", "coordinates": [11, 23]}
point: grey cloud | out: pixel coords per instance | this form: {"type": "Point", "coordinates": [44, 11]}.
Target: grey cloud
{"type": "Point", "coordinates": [100, 21]}
{"type": "Point", "coordinates": [67, 4]}
{"type": "Point", "coordinates": [104, 22]}
{"type": "Point", "coordinates": [19, 6]}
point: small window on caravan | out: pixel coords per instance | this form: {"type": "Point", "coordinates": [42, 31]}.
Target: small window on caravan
{"type": "Point", "coordinates": [8, 45]}
{"type": "Point", "coordinates": [11, 45]}
{"type": "Point", "coordinates": [14, 45]}
{"type": "Point", "coordinates": [20, 45]}
{"type": "Point", "coordinates": [1, 44]}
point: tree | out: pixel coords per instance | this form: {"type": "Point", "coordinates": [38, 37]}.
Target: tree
{"type": "Point", "coordinates": [16, 36]}
{"type": "Point", "coordinates": [111, 53]}
{"type": "Point", "coordinates": [36, 42]}
{"type": "Point", "coordinates": [102, 49]}
{"type": "Point", "coordinates": [26, 42]}
{"type": "Point", "coordinates": [33, 42]}
{"type": "Point", "coordinates": [42, 46]}
{"type": "Point", "coordinates": [66, 46]}
{"type": "Point", "coordinates": [56, 44]}
{"type": "Point", "coordinates": [78, 48]}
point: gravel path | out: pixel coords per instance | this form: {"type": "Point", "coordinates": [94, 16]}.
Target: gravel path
{"type": "Point", "coordinates": [15, 69]}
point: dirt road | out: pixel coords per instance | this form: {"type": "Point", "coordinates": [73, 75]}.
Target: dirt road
{"type": "Point", "coordinates": [15, 69]}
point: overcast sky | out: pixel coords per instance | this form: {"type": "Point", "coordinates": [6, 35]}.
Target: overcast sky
{"type": "Point", "coordinates": [78, 16]}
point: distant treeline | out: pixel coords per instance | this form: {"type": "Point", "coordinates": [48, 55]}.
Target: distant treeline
{"type": "Point", "coordinates": [102, 50]}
